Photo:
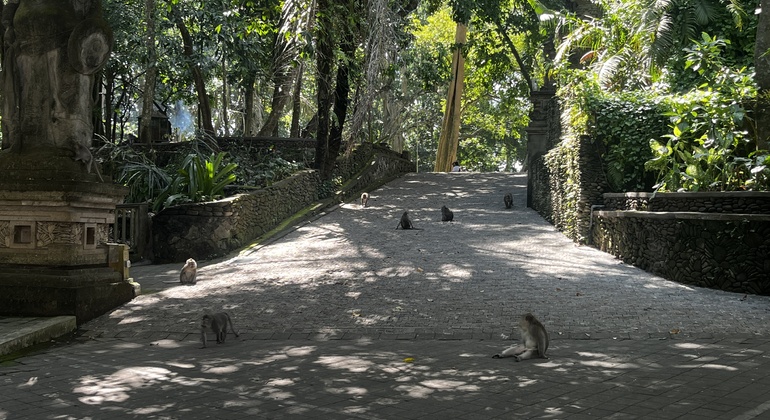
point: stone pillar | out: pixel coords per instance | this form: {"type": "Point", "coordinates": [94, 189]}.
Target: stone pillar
{"type": "Point", "coordinates": [56, 209]}
{"type": "Point", "coordinates": [538, 132]}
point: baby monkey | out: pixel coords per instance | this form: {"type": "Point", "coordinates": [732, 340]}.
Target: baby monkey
{"type": "Point", "coordinates": [508, 199]}
{"type": "Point", "coordinates": [534, 337]}
{"type": "Point", "coordinates": [446, 214]}
{"type": "Point", "coordinates": [218, 324]}
{"type": "Point", "coordinates": [364, 199]}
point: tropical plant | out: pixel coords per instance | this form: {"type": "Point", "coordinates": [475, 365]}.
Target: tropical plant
{"type": "Point", "coordinates": [198, 180]}
{"type": "Point", "coordinates": [708, 148]}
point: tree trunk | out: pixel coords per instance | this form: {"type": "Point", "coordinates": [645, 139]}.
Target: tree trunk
{"type": "Point", "coordinates": [204, 107]}
{"type": "Point", "coordinates": [281, 98]}
{"type": "Point", "coordinates": [341, 102]}
{"type": "Point", "coordinates": [516, 56]}
{"type": "Point", "coordinates": [225, 98]}
{"type": "Point", "coordinates": [148, 96]}
{"type": "Point", "coordinates": [762, 76]}
{"type": "Point", "coordinates": [249, 124]}
{"type": "Point", "coordinates": [325, 57]}
{"type": "Point", "coordinates": [296, 101]}
{"type": "Point", "coordinates": [450, 128]}
{"type": "Point", "coordinates": [109, 93]}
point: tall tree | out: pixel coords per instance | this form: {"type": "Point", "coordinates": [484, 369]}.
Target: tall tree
{"type": "Point", "coordinates": [762, 76]}
{"type": "Point", "coordinates": [148, 97]}
{"type": "Point", "coordinates": [204, 106]}
{"type": "Point", "coordinates": [294, 18]}
{"type": "Point", "coordinates": [450, 129]}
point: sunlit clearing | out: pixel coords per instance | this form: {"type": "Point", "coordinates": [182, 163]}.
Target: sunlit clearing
{"type": "Point", "coordinates": [553, 411]}
{"type": "Point", "coordinates": [351, 390]}
{"type": "Point", "coordinates": [349, 363]}
{"type": "Point", "coordinates": [280, 382]}
{"type": "Point", "coordinates": [588, 354]}
{"type": "Point", "coordinates": [31, 382]}
{"type": "Point", "coordinates": [128, 346]}
{"type": "Point", "coordinates": [709, 366]}
{"type": "Point", "coordinates": [300, 351]}
{"type": "Point", "coordinates": [152, 409]}
{"type": "Point", "coordinates": [355, 410]}
{"type": "Point", "coordinates": [415, 391]}
{"type": "Point", "coordinates": [115, 387]}
{"type": "Point", "coordinates": [599, 363]}
{"type": "Point", "coordinates": [454, 271]}
{"type": "Point", "coordinates": [689, 346]}
{"type": "Point", "coordinates": [445, 384]}
{"type": "Point", "coordinates": [663, 284]}
{"type": "Point", "coordinates": [522, 382]}
{"type": "Point", "coordinates": [167, 344]}
{"type": "Point", "coordinates": [221, 369]}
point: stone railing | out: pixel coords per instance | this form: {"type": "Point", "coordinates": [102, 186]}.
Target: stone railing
{"type": "Point", "coordinates": [213, 229]}
{"type": "Point", "coordinates": [723, 244]}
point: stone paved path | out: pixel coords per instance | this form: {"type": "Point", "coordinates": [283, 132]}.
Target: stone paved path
{"type": "Point", "coordinates": [347, 317]}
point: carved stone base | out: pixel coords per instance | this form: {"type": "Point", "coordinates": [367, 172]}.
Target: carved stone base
{"type": "Point", "coordinates": [55, 221]}
{"type": "Point", "coordinates": [83, 292]}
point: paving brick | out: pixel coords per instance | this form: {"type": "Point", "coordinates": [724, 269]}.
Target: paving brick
{"type": "Point", "coordinates": [347, 318]}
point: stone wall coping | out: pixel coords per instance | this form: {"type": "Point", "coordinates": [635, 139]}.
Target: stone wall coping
{"type": "Point", "coordinates": [683, 215]}
{"type": "Point", "coordinates": [710, 194]}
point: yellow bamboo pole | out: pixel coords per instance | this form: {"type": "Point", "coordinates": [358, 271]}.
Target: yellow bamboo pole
{"type": "Point", "coordinates": [450, 128]}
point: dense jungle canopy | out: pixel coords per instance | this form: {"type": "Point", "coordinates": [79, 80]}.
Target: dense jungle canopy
{"type": "Point", "coordinates": [351, 71]}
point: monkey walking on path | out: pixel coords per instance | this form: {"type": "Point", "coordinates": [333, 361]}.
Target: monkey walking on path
{"type": "Point", "coordinates": [405, 223]}
{"type": "Point", "coordinates": [218, 324]}
{"type": "Point", "coordinates": [364, 199]}
{"type": "Point", "coordinates": [508, 200]}
{"type": "Point", "coordinates": [534, 338]}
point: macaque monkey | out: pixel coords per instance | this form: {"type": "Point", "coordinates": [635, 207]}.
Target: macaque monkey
{"type": "Point", "coordinates": [508, 199]}
{"type": "Point", "coordinates": [446, 214]}
{"type": "Point", "coordinates": [189, 272]}
{"type": "Point", "coordinates": [534, 337]}
{"type": "Point", "coordinates": [83, 154]}
{"type": "Point", "coordinates": [405, 223]}
{"type": "Point", "coordinates": [364, 199]}
{"type": "Point", "coordinates": [218, 324]}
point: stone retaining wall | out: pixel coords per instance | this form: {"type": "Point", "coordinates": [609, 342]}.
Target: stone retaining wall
{"type": "Point", "coordinates": [724, 251]}
{"type": "Point", "coordinates": [567, 182]}
{"type": "Point", "coordinates": [746, 202]}
{"type": "Point", "coordinates": [213, 229]}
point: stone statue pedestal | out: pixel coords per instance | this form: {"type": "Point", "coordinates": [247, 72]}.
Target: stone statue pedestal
{"type": "Point", "coordinates": [55, 221]}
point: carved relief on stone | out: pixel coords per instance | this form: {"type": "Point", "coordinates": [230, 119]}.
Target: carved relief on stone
{"type": "Point", "coordinates": [102, 233]}
{"type": "Point", "coordinates": [5, 234]}
{"type": "Point", "coordinates": [59, 233]}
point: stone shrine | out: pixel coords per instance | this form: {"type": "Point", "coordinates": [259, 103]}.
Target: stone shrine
{"type": "Point", "coordinates": [56, 209]}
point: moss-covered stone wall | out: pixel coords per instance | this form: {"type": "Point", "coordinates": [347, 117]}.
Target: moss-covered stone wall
{"type": "Point", "coordinates": [569, 180]}
{"type": "Point", "coordinates": [213, 229]}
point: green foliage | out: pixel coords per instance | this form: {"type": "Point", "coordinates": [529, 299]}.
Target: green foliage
{"type": "Point", "coordinates": [198, 180]}
{"type": "Point", "coordinates": [625, 123]}
{"type": "Point", "coordinates": [708, 148]}
{"type": "Point", "coordinates": [328, 187]}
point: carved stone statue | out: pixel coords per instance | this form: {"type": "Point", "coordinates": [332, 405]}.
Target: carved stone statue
{"type": "Point", "coordinates": [52, 48]}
